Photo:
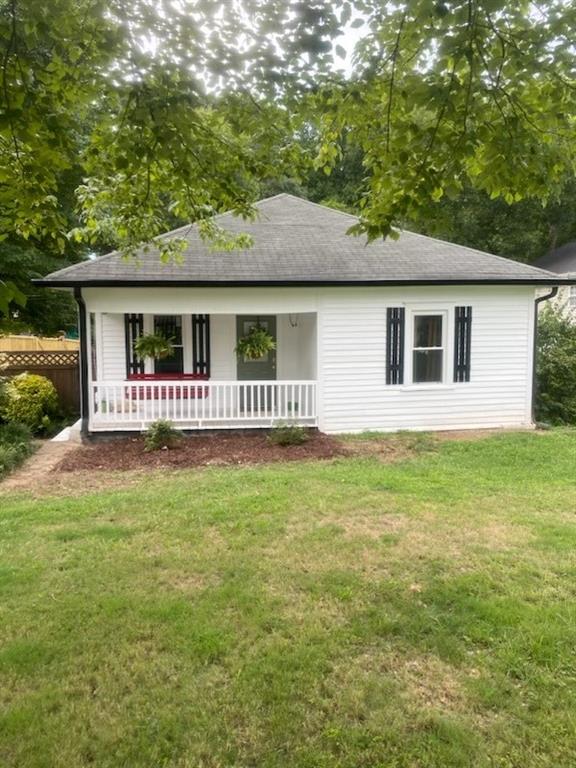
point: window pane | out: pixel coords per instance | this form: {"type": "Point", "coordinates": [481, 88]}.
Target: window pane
{"type": "Point", "coordinates": [172, 364]}
{"type": "Point", "coordinates": [169, 326]}
{"type": "Point", "coordinates": [427, 366]}
{"type": "Point", "coordinates": [428, 330]}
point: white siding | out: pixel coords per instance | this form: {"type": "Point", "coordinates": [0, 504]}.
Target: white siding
{"type": "Point", "coordinates": [113, 347]}
{"type": "Point", "coordinates": [339, 337]}
{"type": "Point", "coordinates": [308, 352]}
{"type": "Point", "coordinates": [353, 388]}
{"type": "Point", "coordinates": [222, 343]}
{"type": "Point", "coordinates": [296, 346]}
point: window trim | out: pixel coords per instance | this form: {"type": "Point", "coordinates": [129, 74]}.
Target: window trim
{"type": "Point", "coordinates": [182, 344]}
{"type": "Point", "coordinates": [447, 315]}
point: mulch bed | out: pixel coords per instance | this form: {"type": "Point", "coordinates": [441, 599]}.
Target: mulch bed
{"type": "Point", "coordinates": [198, 450]}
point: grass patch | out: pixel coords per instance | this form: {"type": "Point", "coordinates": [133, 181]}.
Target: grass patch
{"type": "Point", "coordinates": [350, 613]}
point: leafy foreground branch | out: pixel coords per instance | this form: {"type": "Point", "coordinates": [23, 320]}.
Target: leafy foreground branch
{"type": "Point", "coordinates": [454, 94]}
{"type": "Point", "coordinates": [162, 108]}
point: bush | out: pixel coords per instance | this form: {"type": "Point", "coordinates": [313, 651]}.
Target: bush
{"type": "Point", "coordinates": [15, 445]}
{"type": "Point", "coordinates": [161, 434]}
{"type": "Point", "coordinates": [556, 393]}
{"type": "Point", "coordinates": [31, 400]}
{"type": "Point", "coordinates": [288, 434]}
{"type": "Point", "coordinates": [3, 394]}
{"type": "Point", "coordinates": [13, 433]}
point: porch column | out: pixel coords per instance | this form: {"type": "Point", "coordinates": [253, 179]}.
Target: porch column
{"type": "Point", "coordinates": [83, 360]}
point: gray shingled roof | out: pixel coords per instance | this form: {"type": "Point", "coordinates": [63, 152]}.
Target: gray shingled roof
{"type": "Point", "coordinates": [299, 242]}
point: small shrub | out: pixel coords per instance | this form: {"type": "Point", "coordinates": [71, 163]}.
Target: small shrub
{"type": "Point", "coordinates": [288, 434]}
{"type": "Point", "coordinates": [31, 400]}
{"type": "Point", "coordinates": [556, 393]}
{"type": "Point", "coordinates": [161, 434]}
{"type": "Point", "coordinates": [15, 445]}
{"type": "Point", "coordinates": [13, 432]}
{"type": "Point", "coordinates": [3, 394]}
{"type": "Point", "coordinates": [10, 457]}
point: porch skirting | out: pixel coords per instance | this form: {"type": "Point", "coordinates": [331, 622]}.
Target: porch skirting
{"type": "Point", "coordinates": [133, 405]}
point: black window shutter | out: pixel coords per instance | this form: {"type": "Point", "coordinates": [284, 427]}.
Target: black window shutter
{"type": "Point", "coordinates": [133, 329]}
{"type": "Point", "coordinates": [395, 345]}
{"type": "Point", "coordinates": [462, 336]}
{"type": "Point", "coordinates": [201, 344]}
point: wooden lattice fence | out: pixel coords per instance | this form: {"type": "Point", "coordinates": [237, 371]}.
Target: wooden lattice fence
{"type": "Point", "coordinates": [61, 367]}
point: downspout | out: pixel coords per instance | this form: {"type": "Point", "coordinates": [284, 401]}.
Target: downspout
{"type": "Point", "coordinates": [83, 334]}
{"type": "Point", "coordinates": [537, 303]}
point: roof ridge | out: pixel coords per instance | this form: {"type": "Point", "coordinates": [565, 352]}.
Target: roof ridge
{"type": "Point", "coordinates": [311, 202]}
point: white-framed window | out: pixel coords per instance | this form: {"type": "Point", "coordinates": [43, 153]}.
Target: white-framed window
{"type": "Point", "coordinates": [170, 326]}
{"type": "Point", "coordinates": [428, 353]}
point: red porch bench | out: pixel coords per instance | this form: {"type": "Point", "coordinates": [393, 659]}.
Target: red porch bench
{"type": "Point", "coordinates": [143, 392]}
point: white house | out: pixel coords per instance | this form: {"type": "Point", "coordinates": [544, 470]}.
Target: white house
{"type": "Point", "coordinates": [413, 333]}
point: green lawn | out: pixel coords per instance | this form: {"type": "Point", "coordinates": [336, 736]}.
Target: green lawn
{"type": "Point", "coordinates": [351, 614]}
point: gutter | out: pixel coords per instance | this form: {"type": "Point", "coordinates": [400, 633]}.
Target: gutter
{"type": "Point", "coordinates": [177, 283]}
{"type": "Point", "coordinates": [83, 334]}
{"type": "Point", "coordinates": [537, 302]}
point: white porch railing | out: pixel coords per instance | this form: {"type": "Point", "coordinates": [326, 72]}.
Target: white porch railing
{"type": "Point", "coordinates": [132, 405]}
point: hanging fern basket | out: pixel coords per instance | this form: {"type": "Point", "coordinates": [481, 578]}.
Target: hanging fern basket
{"type": "Point", "coordinates": [153, 345]}
{"type": "Point", "coordinates": [255, 344]}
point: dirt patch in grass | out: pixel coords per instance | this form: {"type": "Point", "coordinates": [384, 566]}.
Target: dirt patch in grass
{"type": "Point", "coordinates": [198, 451]}
{"type": "Point", "coordinates": [430, 682]}
{"type": "Point", "coordinates": [56, 483]}
{"type": "Point", "coordinates": [419, 683]}
{"type": "Point", "coordinates": [372, 526]}
{"type": "Point", "coordinates": [34, 469]}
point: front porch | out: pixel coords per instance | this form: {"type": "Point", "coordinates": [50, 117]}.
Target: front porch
{"type": "Point", "coordinates": [204, 385]}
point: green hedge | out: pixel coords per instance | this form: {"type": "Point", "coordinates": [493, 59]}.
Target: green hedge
{"type": "Point", "coordinates": [29, 399]}
{"type": "Point", "coordinates": [556, 393]}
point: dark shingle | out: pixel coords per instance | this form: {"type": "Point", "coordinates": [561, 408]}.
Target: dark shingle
{"type": "Point", "coordinates": [296, 241]}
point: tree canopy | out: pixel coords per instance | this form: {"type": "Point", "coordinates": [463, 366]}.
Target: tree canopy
{"type": "Point", "coordinates": [165, 106]}
{"type": "Point", "coordinates": [450, 94]}
{"type": "Point", "coordinates": [171, 110]}
{"type": "Point", "coordinates": [40, 310]}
